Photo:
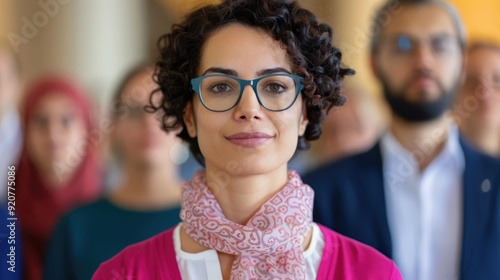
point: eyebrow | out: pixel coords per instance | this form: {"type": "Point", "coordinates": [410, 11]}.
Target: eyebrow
{"type": "Point", "coordinates": [221, 71]}
{"type": "Point", "coordinates": [235, 73]}
{"type": "Point", "coordinates": [272, 71]}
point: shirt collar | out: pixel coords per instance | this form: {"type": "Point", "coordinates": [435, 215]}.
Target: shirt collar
{"type": "Point", "coordinates": [393, 153]}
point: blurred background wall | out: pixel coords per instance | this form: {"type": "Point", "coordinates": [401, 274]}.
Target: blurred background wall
{"type": "Point", "coordinates": [93, 41]}
{"type": "Point", "coordinates": [97, 41]}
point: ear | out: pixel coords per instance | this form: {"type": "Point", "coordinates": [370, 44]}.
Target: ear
{"type": "Point", "coordinates": [303, 121]}
{"type": "Point", "coordinates": [189, 119]}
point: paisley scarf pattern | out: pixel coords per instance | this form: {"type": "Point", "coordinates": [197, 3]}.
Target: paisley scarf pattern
{"type": "Point", "coordinates": [269, 246]}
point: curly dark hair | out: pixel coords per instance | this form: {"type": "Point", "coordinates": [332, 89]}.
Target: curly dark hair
{"type": "Point", "coordinates": [308, 44]}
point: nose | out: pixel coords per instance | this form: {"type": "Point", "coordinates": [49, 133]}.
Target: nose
{"type": "Point", "coordinates": [424, 57]}
{"type": "Point", "coordinates": [54, 133]}
{"type": "Point", "coordinates": [248, 107]}
{"type": "Point", "coordinates": [53, 130]}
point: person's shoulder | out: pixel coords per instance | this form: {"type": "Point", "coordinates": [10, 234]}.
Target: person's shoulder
{"type": "Point", "coordinates": [479, 163]}
{"type": "Point", "coordinates": [488, 160]}
{"type": "Point", "coordinates": [472, 153]}
{"type": "Point", "coordinates": [91, 208]}
{"type": "Point", "coordinates": [138, 261]}
{"type": "Point", "coordinates": [355, 260]}
{"type": "Point", "coordinates": [86, 212]}
{"type": "Point", "coordinates": [352, 250]}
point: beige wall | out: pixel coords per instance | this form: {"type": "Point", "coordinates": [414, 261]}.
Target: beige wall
{"type": "Point", "coordinates": [351, 21]}
{"type": "Point", "coordinates": [93, 41]}
{"type": "Point", "coordinates": [7, 15]}
{"type": "Point", "coordinates": [481, 17]}
{"type": "Point", "coordinates": [97, 41]}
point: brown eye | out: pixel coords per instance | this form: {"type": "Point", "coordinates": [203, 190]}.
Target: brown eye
{"type": "Point", "coordinates": [275, 88]}
{"type": "Point", "coordinates": [41, 122]}
{"type": "Point", "coordinates": [220, 88]}
{"type": "Point", "coordinates": [67, 121]}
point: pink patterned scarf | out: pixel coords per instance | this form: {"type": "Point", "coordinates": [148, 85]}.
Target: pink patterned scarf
{"type": "Point", "coordinates": [269, 246]}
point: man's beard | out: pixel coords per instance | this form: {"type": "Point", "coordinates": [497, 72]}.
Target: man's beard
{"type": "Point", "coordinates": [419, 111]}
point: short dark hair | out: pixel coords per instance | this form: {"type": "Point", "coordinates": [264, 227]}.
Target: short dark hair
{"type": "Point", "coordinates": [117, 99]}
{"type": "Point", "coordinates": [308, 44]}
{"type": "Point", "coordinates": [382, 12]}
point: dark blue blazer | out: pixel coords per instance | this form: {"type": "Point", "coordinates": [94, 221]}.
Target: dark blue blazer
{"type": "Point", "coordinates": [349, 198]}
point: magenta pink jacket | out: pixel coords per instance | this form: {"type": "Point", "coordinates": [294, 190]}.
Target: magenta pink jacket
{"type": "Point", "coordinates": [343, 258]}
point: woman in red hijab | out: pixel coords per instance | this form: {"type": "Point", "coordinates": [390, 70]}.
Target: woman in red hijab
{"type": "Point", "coordinates": [58, 169]}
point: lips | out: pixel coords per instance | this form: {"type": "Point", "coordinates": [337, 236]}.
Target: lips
{"type": "Point", "coordinates": [423, 82]}
{"type": "Point", "coordinates": [249, 139]}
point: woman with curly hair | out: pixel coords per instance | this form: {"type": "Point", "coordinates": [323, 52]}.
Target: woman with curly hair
{"type": "Point", "coordinates": [248, 82]}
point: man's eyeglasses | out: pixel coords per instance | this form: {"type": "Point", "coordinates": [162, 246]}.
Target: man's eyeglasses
{"type": "Point", "coordinates": [133, 111]}
{"type": "Point", "coordinates": [473, 83]}
{"type": "Point", "coordinates": [408, 45]}
{"type": "Point", "coordinates": [220, 93]}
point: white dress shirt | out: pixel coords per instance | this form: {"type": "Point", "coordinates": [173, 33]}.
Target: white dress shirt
{"type": "Point", "coordinates": [205, 265]}
{"type": "Point", "coordinates": [425, 208]}
{"type": "Point", "coordinates": [10, 147]}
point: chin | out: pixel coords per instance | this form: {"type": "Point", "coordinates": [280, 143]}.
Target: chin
{"type": "Point", "coordinates": [425, 96]}
{"type": "Point", "coordinates": [252, 166]}
{"type": "Point", "coordinates": [66, 160]}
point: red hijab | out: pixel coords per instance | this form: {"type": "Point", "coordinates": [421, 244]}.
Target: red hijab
{"type": "Point", "coordinates": [39, 206]}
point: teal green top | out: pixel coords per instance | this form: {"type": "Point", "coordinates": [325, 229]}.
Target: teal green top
{"type": "Point", "coordinates": [93, 233]}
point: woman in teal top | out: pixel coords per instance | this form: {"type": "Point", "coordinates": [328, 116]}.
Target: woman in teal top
{"type": "Point", "coordinates": [94, 233]}
{"type": "Point", "coordinates": [146, 202]}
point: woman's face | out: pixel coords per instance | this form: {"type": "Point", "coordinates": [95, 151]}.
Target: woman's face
{"type": "Point", "coordinates": [271, 137]}
{"type": "Point", "coordinates": [138, 135]}
{"type": "Point", "coordinates": [56, 136]}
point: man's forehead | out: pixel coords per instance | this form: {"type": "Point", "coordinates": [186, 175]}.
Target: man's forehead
{"type": "Point", "coordinates": [421, 20]}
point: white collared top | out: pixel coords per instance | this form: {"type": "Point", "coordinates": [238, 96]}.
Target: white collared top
{"type": "Point", "coordinates": [424, 208]}
{"type": "Point", "coordinates": [205, 265]}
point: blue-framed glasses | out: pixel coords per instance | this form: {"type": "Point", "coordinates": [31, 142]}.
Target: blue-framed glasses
{"type": "Point", "coordinates": [405, 44]}
{"type": "Point", "coordinates": [220, 93]}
